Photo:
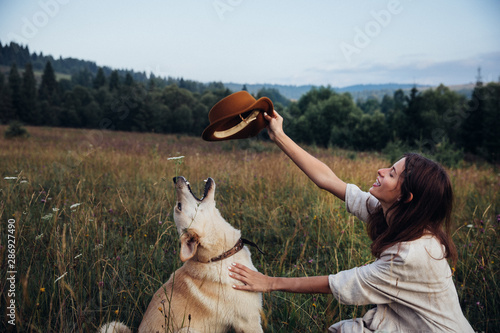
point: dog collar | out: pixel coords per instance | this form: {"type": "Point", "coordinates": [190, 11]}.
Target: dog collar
{"type": "Point", "coordinates": [235, 249]}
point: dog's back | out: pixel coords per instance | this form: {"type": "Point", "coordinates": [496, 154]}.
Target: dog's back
{"type": "Point", "coordinates": [202, 298]}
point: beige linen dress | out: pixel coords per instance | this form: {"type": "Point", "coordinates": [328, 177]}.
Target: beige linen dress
{"type": "Point", "coordinates": [411, 285]}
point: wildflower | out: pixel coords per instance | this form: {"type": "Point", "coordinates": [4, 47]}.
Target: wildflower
{"type": "Point", "coordinates": [175, 158]}
{"type": "Point", "coordinates": [42, 290]}
{"type": "Point", "coordinates": [55, 209]}
{"type": "Point", "coordinates": [117, 311]}
{"type": "Point", "coordinates": [160, 222]}
{"type": "Point", "coordinates": [110, 210]}
{"type": "Point", "coordinates": [311, 261]}
{"type": "Point", "coordinates": [10, 178]}
{"type": "Point", "coordinates": [39, 237]}
{"type": "Point", "coordinates": [314, 304]}
{"type": "Point", "coordinates": [161, 310]}
{"type": "Point", "coordinates": [101, 283]}
{"type": "Point", "coordinates": [74, 205]}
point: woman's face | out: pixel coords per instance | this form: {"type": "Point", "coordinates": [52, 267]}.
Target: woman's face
{"type": "Point", "coordinates": [387, 188]}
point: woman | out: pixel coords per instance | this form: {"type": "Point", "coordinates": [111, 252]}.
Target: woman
{"type": "Point", "coordinates": [407, 211]}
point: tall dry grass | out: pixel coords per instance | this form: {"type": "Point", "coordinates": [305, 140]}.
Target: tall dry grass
{"type": "Point", "coordinates": [95, 236]}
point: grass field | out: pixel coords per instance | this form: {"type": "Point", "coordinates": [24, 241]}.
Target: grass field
{"type": "Point", "coordinates": [94, 237]}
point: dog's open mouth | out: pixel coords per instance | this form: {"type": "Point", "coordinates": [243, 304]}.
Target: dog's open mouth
{"type": "Point", "coordinates": [208, 185]}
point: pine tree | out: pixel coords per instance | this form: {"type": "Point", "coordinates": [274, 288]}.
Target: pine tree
{"type": "Point", "coordinates": [472, 127]}
{"type": "Point", "coordinates": [48, 88]}
{"type": "Point", "coordinates": [6, 108]}
{"type": "Point", "coordinates": [15, 91]}
{"type": "Point", "coordinates": [129, 80]}
{"type": "Point", "coordinates": [114, 81]}
{"type": "Point", "coordinates": [29, 106]}
{"type": "Point", "coordinates": [100, 79]}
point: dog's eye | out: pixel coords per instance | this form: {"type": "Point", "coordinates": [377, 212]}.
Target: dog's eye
{"type": "Point", "coordinates": [179, 206]}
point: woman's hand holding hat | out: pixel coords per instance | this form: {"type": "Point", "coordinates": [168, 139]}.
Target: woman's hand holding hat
{"type": "Point", "coordinates": [275, 124]}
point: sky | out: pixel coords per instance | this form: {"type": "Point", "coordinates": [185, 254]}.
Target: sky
{"type": "Point", "coordinates": [290, 42]}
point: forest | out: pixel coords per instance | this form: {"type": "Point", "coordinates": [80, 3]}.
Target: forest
{"type": "Point", "coordinates": [38, 90]}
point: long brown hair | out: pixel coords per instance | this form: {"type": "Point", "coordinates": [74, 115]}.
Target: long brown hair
{"type": "Point", "coordinates": [428, 211]}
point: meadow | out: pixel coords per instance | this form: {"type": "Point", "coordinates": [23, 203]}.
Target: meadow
{"type": "Point", "coordinates": [90, 211]}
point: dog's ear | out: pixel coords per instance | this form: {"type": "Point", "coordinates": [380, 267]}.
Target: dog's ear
{"type": "Point", "coordinates": [189, 245]}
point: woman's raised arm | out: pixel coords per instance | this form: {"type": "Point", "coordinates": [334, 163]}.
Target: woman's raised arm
{"type": "Point", "coordinates": [317, 171]}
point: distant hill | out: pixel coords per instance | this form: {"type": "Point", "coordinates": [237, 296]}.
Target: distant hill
{"type": "Point", "coordinates": [290, 92]}
{"type": "Point", "coordinates": [359, 91]}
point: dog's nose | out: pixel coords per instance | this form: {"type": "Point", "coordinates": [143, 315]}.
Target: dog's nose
{"type": "Point", "coordinates": [175, 179]}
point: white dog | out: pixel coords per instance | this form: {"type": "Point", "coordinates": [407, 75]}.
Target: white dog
{"type": "Point", "coordinates": [199, 296]}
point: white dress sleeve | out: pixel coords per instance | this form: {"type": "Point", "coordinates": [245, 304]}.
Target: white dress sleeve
{"type": "Point", "coordinates": [358, 202]}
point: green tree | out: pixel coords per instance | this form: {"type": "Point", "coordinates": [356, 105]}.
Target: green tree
{"type": "Point", "coordinates": [472, 127]}
{"type": "Point", "coordinates": [100, 79]}
{"type": "Point", "coordinates": [370, 105]}
{"type": "Point", "coordinates": [48, 88]}
{"type": "Point", "coordinates": [83, 78]}
{"type": "Point", "coordinates": [491, 140]}
{"type": "Point", "coordinates": [129, 80]}
{"type": "Point", "coordinates": [387, 104]}
{"type": "Point", "coordinates": [370, 132]}
{"type": "Point", "coordinates": [6, 109]}
{"type": "Point", "coordinates": [183, 119]}
{"type": "Point", "coordinates": [15, 92]}
{"type": "Point", "coordinates": [30, 112]}
{"type": "Point", "coordinates": [413, 128]}
{"type": "Point", "coordinates": [440, 110]}
{"type": "Point", "coordinates": [114, 81]}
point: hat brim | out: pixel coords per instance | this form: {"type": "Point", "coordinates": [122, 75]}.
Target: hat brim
{"type": "Point", "coordinates": [244, 124]}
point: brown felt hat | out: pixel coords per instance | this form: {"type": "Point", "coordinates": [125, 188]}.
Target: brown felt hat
{"type": "Point", "coordinates": [237, 116]}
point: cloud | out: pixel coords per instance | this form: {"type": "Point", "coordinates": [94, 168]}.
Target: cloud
{"type": "Point", "coordinates": [410, 70]}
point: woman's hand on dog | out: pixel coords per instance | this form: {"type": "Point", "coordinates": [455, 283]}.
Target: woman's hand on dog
{"type": "Point", "coordinates": [253, 281]}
